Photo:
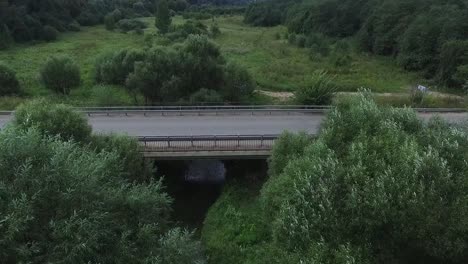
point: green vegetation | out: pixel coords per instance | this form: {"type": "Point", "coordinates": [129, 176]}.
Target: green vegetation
{"type": "Point", "coordinates": [8, 82]}
{"type": "Point", "coordinates": [92, 201]}
{"type": "Point", "coordinates": [372, 188]}
{"type": "Point", "coordinates": [60, 74]}
{"type": "Point", "coordinates": [163, 18]}
{"type": "Point", "coordinates": [414, 32]}
{"type": "Point", "coordinates": [320, 91]}
{"type": "Point", "coordinates": [273, 63]}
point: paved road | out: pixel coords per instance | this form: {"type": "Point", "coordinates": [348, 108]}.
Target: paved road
{"type": "Point", "coordinates": [139, 125]}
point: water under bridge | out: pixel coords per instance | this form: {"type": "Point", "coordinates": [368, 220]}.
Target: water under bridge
{"type": "Point", "coordinates": [223, 132]}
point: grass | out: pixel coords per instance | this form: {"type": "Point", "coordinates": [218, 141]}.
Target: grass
{"type": "Point", "coordinates": [275, 64]}
{"type": "Point", "coordinates": [280, 66]}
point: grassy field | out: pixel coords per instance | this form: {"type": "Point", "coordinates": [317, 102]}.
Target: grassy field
{"type": "Point", "coordinates": [280, 66]}
{"type": "Point", "coordinates": [275, 64]}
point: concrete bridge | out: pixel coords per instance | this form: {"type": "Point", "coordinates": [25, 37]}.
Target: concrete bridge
{"type": "Point", "coordinates": [215, 131]}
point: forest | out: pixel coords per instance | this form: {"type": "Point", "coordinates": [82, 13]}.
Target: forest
{"type": "Point", "coordinates": [378, 182]}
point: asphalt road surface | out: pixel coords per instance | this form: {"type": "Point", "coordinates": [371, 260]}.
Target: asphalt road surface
{"type": "Point", "coordinates": [139, 125]}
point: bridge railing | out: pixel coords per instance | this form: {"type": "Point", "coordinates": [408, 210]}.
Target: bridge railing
{"type": "Point", "coordinates": [223, 109]}
{"type": "Point", "coordinates": [207, 143]}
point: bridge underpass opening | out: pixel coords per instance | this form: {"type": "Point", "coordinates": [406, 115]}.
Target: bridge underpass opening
{"type": "Point", "coordinates": [195, 185]}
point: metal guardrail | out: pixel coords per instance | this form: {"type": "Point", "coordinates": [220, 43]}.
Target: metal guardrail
{"type": "Point", "coordinates": [266, 109]}
{"type": "Point", "coordinates": [207, 143]}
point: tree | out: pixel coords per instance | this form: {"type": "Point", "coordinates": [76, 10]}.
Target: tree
{"type": "Point", "coordinates": [5, 37]}
{"type": "Point", "coordinates": [163, 17]}
{"type": "Point", "coordinates": [52, 120]}
{"type": "Point", "coordinates": [238, 83]}
{"type": "Point", "coordinates": [9, 84]}
{"type": "Point", "coordinates": [375, 171]}
{"type": "Point", "coordinates": [50, 33]}
{"type": "Point", "coordinates": [63, 203]}
{"type": "Point", "coordinates": [60, 74]}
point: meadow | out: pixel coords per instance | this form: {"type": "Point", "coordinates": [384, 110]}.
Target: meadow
{"type": "Point", "coordinates": [275, 64]}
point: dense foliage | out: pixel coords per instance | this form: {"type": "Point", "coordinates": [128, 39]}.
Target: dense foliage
{"type": "Point", "coordinates": [417, 32]}
{"type": "Point", "coordinates": [163, 17]}
{"type": "Point", "coordinates": [60, 74]}
{"type": "Point", "coordinates": [9, 84]}
{"type": "Point", "coordinates": [174, 74]}
{"type": "Point", "coordinates": [92, 202]}
{"type": "Point", "coordinates": [378, 185]}
{"type": "Point", "coordinates": [52, 120]}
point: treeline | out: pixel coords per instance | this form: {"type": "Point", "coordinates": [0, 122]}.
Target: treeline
{"type": "Point", "coordinates": [428, 36]}
{"type": "Point", "coordinates": [27, 20]}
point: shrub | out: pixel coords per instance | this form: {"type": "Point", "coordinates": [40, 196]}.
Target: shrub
{"type": "Point", "coordinates": [6, 40]}
{"type": "Point", "coordinates": [60, 74]}
{"type": "Point", "coordinates": [52, 120]}
{"type": "Point", "coordinates": [106, 95]}
{"type": "Point", "coordinates": [238, 85]}
{"type": "Point", "coordinates": [50, 33]}
{"type": "Point", "coordinates": [319, 91]}
{"type": "Point", "coordinates": [206, 96]}
{"type": "Point", "coordinates": [133, 165]}
{"type": "Point", "coordinates": [9, 84]}
{"type": "Point", "coordinates": [215, 31]}
{"type": "Point", "coordinates": [74, 26]}
{"type": "Point", "coordinates": [292, 38]}
{"type": "Point", "coordinates": [301, 41]}
{"type": "Point", "coordinates": [114, 67]}
{"type": "Point", "coordinates": [126, 25]}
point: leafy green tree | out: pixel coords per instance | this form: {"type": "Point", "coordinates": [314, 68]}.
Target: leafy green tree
{"type": "Point", "coordinates": [206, 96]}
{"type": "Point", "coordinates": [8, 82]}
{"type": "Point", "coordinates": [60, 74]}
{"type": "Point", "coordinates": [62, 203]}
{"type": "Point", "coordinates": [375, 171]}
{"type": "Point", "coordinates": [163, 17]}
{"type": "Point", "coordinates": [52, 120]}
{"type": "Point", "coordinates": [114, 67]}
{"type": "Point", "coordinates": [454, 54]}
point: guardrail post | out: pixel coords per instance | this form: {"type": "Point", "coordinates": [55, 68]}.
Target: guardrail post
{"type": "Point", "coordinates": [238, 141]}
{"type": "Point", "coordinates": [261, 142]}
{"type": "Point", "coordinates": [168, 142]}
{"type": "Point", "coordinates": [191, 140]}
{"type": "Point", "coordinates": [215, 142]}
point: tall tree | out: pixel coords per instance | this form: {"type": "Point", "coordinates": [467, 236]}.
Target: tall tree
{"type": "Point", "coordinates": [163, 17]}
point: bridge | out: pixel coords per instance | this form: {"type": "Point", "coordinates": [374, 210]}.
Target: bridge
{"type": "Point", "coordinates": [185, 132]}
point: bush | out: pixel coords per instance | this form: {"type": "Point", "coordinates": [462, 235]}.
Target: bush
{"type": "Point", "coordinates": [301, 41]}
{"type": "Point", "coordinates": [114, 67]}
{"type": "Point", "coordinates": [292, 38]}
{"type": "Point", "coordinates": [52, 120]}
{"type": "Point", "coordinates": [238, 85]}
{"type": "Point", "coordinates": [206, 96]}
{"type": "Point", "coordinates": [9, 84]}
{"type": "Point", "coordinates": [106, 95]}
{"type": "Point", "coordinates": [60, 74]}
{"type": "Point", "coordinates": [126, 25]}
{"type": "Point", "coordinates": [215, 31]}
{"type": "Point", "coordinates": [74, 26]}
{"type": "Point", "coordinates": [50, 33]}
{"type": "Point", "coordinates": [6, 40]}
{"type": "Point", "coordinates": [319, 91]}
